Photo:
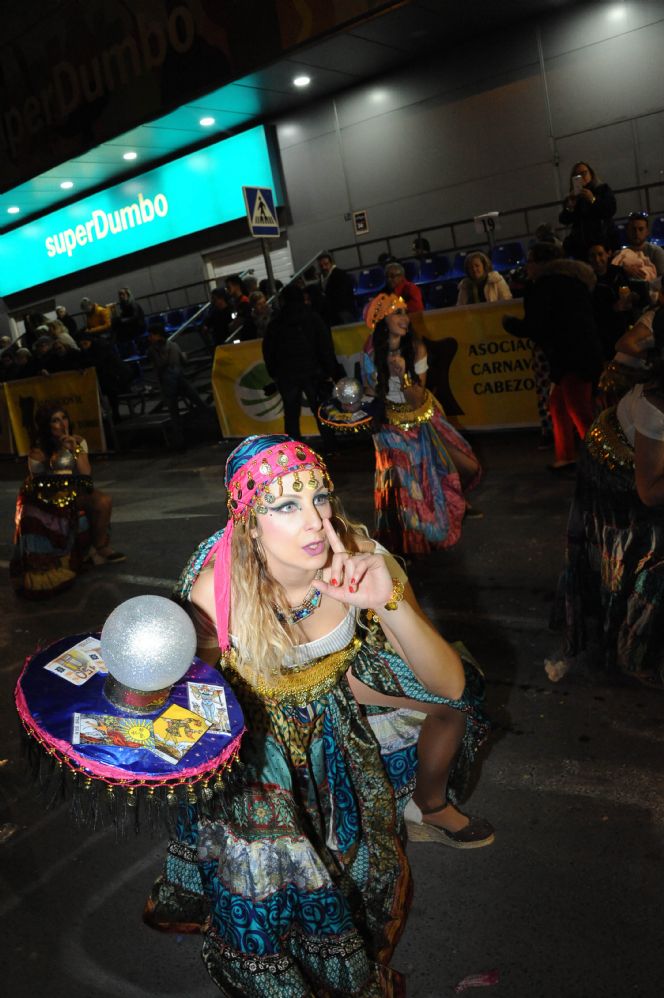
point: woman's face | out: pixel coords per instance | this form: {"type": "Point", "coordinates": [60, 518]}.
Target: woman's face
{"type": "Point", "coordinates": [59, 425]}
{"type": "Point", "coordinates": [291, 532]}
{"type": "Point", "coordinates": [397, 322]}
{"type": "Point", "coordinates": [583, 170]}
{"type": "Point", "coordinates": [476, 268]}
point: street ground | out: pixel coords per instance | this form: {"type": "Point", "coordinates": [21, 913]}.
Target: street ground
{"type": "Point", "coordinates": [565, 904]}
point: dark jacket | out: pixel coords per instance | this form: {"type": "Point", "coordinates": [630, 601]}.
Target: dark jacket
{"type": "Point", "coordinates": [113, 375]}
{"type": "Point", "coordinates": [339, 298]}
{"type": "Point", "coordinates": [559, 318]}
{"type": "Point", "coordinates": [298, 348]}
{"type": "Point", "coordinates": [612, 324]}
{"type": "Point", "coordinates": [128, 321]}
{"type": "Point", "coordinates": [591, 223]}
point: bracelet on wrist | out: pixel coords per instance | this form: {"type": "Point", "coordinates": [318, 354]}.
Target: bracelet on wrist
{"type": "Point", "coordinates": [393, 602]}
{"type": "Point", "coordinates": [406, 381]}
{"type": "Point", "coordinates": [396, 595]}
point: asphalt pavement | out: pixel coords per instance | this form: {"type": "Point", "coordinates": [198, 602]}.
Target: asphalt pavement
{"type": "Point", "coordinates": [565, 904]}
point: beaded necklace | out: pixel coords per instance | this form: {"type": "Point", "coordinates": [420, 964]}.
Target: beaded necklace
{"type": "Point", "coordinates": [304, 609]}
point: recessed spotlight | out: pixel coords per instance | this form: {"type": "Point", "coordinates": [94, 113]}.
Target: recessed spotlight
{"type": "Point", "coordinates": [67, 185]}
{"type": "Point", "coordinates": [129, 155]}
{"type": "Point", "coordinates": [302, 81]}
{"type": "Point", "coordinates": [616, 12]}
{"type": "Point", "coordinates": [13, 210]}
{"type": "Point", "coordinates": [206, 122]}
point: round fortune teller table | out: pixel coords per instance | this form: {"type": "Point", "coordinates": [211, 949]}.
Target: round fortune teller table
{"type": "Point", "coordinates": [116, 781]}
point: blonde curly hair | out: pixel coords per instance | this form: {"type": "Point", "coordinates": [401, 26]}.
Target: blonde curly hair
{"type": "Point", "coordinates": [263, 641]}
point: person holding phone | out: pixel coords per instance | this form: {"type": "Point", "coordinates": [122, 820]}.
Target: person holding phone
{"type": "Point", "coordinates": [589, 209]}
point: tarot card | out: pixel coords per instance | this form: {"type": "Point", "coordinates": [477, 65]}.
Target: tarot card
{"type": "Point", "coordinates": [210, 703]}
{"type": "Point", "coordinates": [176, 731]}
{"type": "Point", "coordinates": [92, 648]}
{"type": "Point", "coordinates": [78, 663]}
{"type": "Point", "coordinates": [107, 729]}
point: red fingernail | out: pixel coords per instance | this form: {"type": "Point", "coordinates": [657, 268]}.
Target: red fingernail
{"type": "Point", "coordinates": [333, 582]}
{"type": "Point", "coordinates": [352, 589]}
{"type": "Point", "coordinates": [353, 581]}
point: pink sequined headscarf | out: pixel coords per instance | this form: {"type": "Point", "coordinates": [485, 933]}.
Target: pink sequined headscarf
{"type": "Point", "coordinates": [250, 470]}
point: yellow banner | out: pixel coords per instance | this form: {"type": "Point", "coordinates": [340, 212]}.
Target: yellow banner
{"type": "Point", "coordinates": [75, 391]}
{"type": "Point", "coordinates": [482, 375]}
{"type": "Point", "coordinates": [239, 378]}
{"type": "Point", "coordinates": [6, 439]}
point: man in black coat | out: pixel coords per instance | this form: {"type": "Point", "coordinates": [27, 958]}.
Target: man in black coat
{"type": "Point", "coordinates": [559, 317]}
{"type": "Point", "coordinates": [299, 356]}
{"type": "Point", "coordinates": [337, 287]}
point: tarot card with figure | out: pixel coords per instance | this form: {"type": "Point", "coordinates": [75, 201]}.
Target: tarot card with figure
{"type": "Point", "coordinates": [106, 729]}
{"type": "Point", "coordinates": [210, 703]}
{"type": "Point", "coordinates": [176, 731]}
{"type": "Point", "coordinates": [78, 663]}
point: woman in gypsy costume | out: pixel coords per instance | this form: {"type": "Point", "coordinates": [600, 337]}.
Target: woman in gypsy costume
{"type": "Point", "coordinates": [51, 540]}
{"type": "Point", "coordinates": [301, 883]}
{"type": "Point", "coordinates": [423, 465]}
{"type": "Point", "coordinates": [614, 572]}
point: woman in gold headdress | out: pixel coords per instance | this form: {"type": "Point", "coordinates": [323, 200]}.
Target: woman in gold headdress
{"type": "Point", "coordinates": [423, 465]}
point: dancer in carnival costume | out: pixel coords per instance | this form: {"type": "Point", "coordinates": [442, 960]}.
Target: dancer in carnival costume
{"type": "Point", "coordinates": [51, 540]}
{"type": "Point", "coordinates": [301, 883]}
{"type": "Point", "coordinates": [614, 573]}
{"type": "Point", "coordinates": [423, 465]}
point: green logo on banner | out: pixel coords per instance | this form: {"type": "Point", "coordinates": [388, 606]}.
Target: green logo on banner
{"type": "Point", "coordinates": [251, 394]}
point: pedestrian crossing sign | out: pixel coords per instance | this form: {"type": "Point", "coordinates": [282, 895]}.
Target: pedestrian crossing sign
{"type": "Point", "coordinates": [261, 212]}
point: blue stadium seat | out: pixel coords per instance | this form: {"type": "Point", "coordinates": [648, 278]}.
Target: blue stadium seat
{"type": "Point", "coordinates": [657, 231]}
{"type": "Point", "coordinates": [192, 310]}
{"type": "Point", "coordinates": [368, 279]}
{"type": "Point", "coordinates": [621, 233]}
{"type": "Point", "coordinates": [508, 256]}
{"type": "Point", "coordinates": [442, 294]}
{"type": "Point", "coordinates": [457, 271]}
{"type": "Point", "coordinates": [411, 268]}
{"type": "Point", "coordinates": [173, 320]}
{"type": "Point", "coordinates": [432, 268]}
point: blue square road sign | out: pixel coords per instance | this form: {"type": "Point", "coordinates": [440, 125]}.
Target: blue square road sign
{"type": "Point", "coordinates": [261, 212]}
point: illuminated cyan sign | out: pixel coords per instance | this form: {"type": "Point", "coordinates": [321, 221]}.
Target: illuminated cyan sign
{"type": "Point", "coordinates": [189, 194]}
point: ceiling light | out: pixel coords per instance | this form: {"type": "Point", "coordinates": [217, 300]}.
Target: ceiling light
{"type": "Point", "coordinates": [302, 81]}
{"type": "Point", "coordinates": [13, 210]}
{"type": "Point", "coordinates": [206, 122]}
{"type": "Point", "coordinates": [67, 185]}
{"type": "Point", "coordinates": [617, 12]}
{"type": "Point", "coordinates": [129, 155]}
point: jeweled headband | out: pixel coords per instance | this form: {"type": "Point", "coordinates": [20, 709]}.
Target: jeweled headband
{"type": "Point", "coordinates": [254, 480]}
{"type": "Point", "coordinates": [380, 306]}
{"type": "Point", "coordinates": [257, 483]}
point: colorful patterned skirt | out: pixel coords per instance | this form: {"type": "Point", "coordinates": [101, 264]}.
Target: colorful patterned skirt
{"type": "Point", "coordinates": [51, 537]}
{"type": "Point", "coordinates": [614, 573]}
{"type": "Point", "coordinates": [301, 885]}
{"type": "Point", "coordinates": [418, 497]}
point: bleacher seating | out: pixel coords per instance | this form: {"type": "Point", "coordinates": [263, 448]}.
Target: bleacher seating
{"type": "Point", "coordinates": [620, 233]}
{"type": "Point", "coordinates": [411, 267]}
{"type": "Point", "coordinates": [508, 256]}
{"type": "Point", "coordinates": [369, 279]}
{"type": "Point", "coordinates": [173, 320]}
{"type": "Point", "coordinates": [457, 271]}
{"type": "Point", "coordinates": [657, 230]}
{"type": "Point", "coordinates": [433, 268]}
{"type": "Point", "coordinates": [442, 294]}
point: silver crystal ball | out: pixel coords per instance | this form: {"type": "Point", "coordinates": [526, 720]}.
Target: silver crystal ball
{"type": "Point", "coordinates": [348, 392]}
{"type": "Point", "coordinates": [148, 643]}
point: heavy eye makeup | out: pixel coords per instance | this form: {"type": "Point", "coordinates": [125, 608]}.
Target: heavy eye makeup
{"type": "Point", "coordinates": [290, 505]}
